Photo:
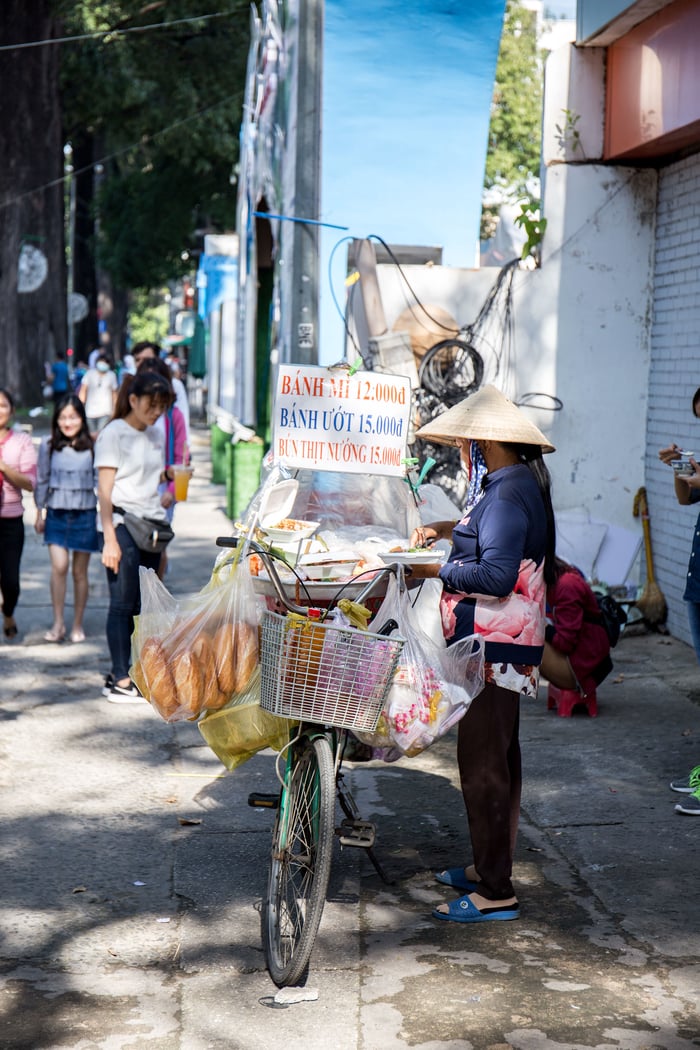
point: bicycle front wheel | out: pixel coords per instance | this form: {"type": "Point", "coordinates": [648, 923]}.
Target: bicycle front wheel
{"type": "Point", "coordinates": [300, 863]}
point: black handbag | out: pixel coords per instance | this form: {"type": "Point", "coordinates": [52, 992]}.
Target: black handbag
{"type": "Point", "coordinates": [149, 534]}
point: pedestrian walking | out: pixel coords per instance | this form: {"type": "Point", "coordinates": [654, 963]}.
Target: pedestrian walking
{"type": "Point", "coordinates": [17, 475]}
{"type": "Point", "coordinates": [146, 350]}
{"type": "Point", "coordinates": [59, 377]}
{"type": "Point", "coordinates": [66, 514]}
{"type": "Point", "coordinates": [98, 392]}
{"type": "Point", "coordinates": [130, 461]}
{"type": "Point", "coordinates": [493, 585]}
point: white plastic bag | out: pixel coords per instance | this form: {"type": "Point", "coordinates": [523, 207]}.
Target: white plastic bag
{"type": "Point", "coordinates": [433, 686]}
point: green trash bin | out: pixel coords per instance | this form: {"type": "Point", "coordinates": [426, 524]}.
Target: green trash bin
{"type": "Point", "coordinates": [220, 441]}
{"type": "Point", "coordinates": [243, 465]}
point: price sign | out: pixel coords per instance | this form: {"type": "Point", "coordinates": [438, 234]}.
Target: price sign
{"type": "Point", "coordinates": [327, 419]}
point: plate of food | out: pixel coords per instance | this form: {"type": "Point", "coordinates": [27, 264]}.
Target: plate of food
{"type": "Point", "coordinates": [329, 565]}
{"type": "Point", "coordinates": [413, 556]}
{"type": "Point", "coordinates": [290, 529]}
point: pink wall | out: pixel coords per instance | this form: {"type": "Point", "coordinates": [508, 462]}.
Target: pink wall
{"type": "Point", "coordinates": [653, 86]}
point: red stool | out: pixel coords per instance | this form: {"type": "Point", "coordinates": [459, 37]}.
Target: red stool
{"type": "Point", "coordinates": [565, 700]}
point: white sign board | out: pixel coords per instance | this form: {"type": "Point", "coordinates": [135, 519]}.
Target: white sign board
{"type": "Point", "coordinates": [327, 419]}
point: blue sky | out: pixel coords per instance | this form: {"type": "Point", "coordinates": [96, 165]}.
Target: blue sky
{"type": "Point", "coordinates": [406, 95]}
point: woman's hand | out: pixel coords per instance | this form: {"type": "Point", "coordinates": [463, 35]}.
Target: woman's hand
{"type": "Point", "coordinates": [427, 535]}
{"type": "Point", "coordinates": [40, 524]}
{"type": "Point", "coordinates": [167, 499]}
{"type": "Point", "coordinates": [111, 554]}
{"type": "Point", "coordinates": [668, 454]}
{"type": "Point", "coordinates": [692, 481]}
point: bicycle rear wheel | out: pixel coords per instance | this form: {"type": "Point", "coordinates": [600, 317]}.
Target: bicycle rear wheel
{"type": "Point", "coordinates": [300, 863]}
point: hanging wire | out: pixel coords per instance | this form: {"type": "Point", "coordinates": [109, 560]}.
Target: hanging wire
{"type": "Point", "coordinates": [103, 33]}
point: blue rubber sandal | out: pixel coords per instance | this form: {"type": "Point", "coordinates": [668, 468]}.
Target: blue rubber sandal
{"type": "Point", "coordinates": [464, 910]}
{"type": "Point", "coordinates": [456, 878]}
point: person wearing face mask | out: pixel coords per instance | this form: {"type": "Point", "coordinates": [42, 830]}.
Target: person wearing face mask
{"type": "Point", "coordinates": [130, 462]}
{"type": "Point", "coordinates": [98, 392]}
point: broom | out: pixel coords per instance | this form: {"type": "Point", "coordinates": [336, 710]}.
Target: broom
{"type": "Point", "coordinates": [651, 602]}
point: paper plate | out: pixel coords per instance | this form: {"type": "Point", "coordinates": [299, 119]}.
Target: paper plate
{"type": "Point", "coordinates": [301, 531]}
{"type": "Point", "coordinates": [433, 556]}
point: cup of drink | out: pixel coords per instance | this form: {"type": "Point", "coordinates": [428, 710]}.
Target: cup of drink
{"type": "Point", "coordinates": [182, 475]}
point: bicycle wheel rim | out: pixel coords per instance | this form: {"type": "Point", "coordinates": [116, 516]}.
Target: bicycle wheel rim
{"type": "Point", "coordinates": [300, 863]}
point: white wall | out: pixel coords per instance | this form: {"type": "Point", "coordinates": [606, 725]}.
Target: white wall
{"type": "Point", "coordinates": [674, 376]}
{"type": "Point", "coordinates": [582, 331]}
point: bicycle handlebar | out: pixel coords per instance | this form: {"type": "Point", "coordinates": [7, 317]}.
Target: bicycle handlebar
{"type": "Point", "coordinates": [268, 562]}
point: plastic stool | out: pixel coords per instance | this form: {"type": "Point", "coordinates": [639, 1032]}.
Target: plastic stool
{"type": "Point", "coordinates": [565, 700]}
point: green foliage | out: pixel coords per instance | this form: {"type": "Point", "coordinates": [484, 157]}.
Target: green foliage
{"type": "Point", "coordinates": [149, 317]}
{"type": "Point", "coordinates": [568, 135]}
{"type": "Point", "coordinates": [532, 223]}
{"type": "Point", "coordinates": [163, 109]}
{"type": "Point", "coordinates": [515, 129]}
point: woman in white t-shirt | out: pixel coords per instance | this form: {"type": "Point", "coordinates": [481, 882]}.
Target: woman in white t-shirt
{"type": "Point", "coordinates": [130, 461]}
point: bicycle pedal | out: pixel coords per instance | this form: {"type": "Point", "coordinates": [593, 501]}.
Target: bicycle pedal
{"type": "Point", "coordinates": [359, 833]}
{"type": "Point", "coordinates": [259, 801]}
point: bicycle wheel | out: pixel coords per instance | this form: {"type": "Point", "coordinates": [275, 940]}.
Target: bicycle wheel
{"type": "Point", "coordinates": [300, 863]}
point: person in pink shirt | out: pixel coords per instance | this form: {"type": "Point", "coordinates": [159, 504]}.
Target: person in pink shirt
{"type": "Point", "coordinates": [18, 459]}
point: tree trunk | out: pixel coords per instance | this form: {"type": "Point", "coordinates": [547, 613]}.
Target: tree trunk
{"type": "Point", "coordinates": [85, 336]}
{"type": "Point", "coordinates": [32, 323]}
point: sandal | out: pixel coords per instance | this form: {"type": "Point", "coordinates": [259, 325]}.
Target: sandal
{"type": "Point", "coordinates": [77, 636]}
{"type": "Point", "coordinates": [456, 878]}
{"type": "Point", "coordinates": [54, 635]}
{"type": "Point", "coordinates": [464, 910]}
{"type": "Point", "coordinates": [10, 627]}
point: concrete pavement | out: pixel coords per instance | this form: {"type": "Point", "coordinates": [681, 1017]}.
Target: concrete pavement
{"type": "Point", "coordinates": [132, 868]}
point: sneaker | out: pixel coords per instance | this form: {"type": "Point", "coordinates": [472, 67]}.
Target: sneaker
{"type": "Point", "coordinates": [690, 805]}
{"type": "Point", "coordinates": [688, 784]}
{"type": "Point", "coordinates": [107, 687]}
{"type": "Point", "coordinates": [124, 694]}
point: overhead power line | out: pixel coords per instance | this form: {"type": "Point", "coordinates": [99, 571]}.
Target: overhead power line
{"type": "Point", "coordinates": [101, 34]}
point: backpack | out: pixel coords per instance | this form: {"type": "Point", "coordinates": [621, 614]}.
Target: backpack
{"type": "Point", "coordinates": [612, 617]}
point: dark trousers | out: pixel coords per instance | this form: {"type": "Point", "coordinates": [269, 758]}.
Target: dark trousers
{"type": "Point", "coordinates": [125, 600]}
{"type": "Point", "coordinates": [488, 752]}
{"type": "Point", "coordinates": [11, 546]}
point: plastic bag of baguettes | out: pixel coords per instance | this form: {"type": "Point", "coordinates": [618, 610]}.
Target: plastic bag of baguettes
{"type": "Point", "coordinates": [197, 654]}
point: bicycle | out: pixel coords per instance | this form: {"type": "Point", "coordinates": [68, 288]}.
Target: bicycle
{"type": "Point", "coordinates": [328, 680]}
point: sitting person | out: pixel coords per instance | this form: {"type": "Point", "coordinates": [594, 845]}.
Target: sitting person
{"type": "Point", "coordinates": [577, 648]}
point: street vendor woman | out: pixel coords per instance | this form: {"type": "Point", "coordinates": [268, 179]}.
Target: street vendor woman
{"type": "Point", "coordinates": [494, 585]}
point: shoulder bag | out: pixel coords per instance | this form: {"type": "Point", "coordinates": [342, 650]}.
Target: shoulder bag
{"type": "Point", "coordinates": [149, 534]}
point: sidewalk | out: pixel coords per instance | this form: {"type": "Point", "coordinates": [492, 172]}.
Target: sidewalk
{"type": "Point", "coordinates": [132, 868]}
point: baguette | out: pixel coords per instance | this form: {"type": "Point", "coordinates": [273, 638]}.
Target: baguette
{"type": "Point", "coordinates": [246, 654]}
{"type": "Point", "coordinates": [158, 678]}
{"type": "Point", "coordinates": [187, 672]}
{"type": "Point", "coordinates": [212, 697]}
{"type": "Point", "coordinates": [224, 653]}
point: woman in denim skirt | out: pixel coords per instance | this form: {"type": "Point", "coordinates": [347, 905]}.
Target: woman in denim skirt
{"type": "Point", "coordinates": [66, 502]}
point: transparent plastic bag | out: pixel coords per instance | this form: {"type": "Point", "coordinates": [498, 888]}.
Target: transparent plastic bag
{"type": "Point", "coordinates": [433, 685]}
{"type": "Point", "coordinates": [199, 653]}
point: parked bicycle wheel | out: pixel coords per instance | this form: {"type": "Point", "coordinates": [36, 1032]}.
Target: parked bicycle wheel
{"type": "Point", "coordinates": [300, 862]}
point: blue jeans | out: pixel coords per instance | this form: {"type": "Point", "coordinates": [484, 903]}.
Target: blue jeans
{"type": "Point", "coordinates": [125, 600]}
{"type": "Point", "coordinates": [694, 621]}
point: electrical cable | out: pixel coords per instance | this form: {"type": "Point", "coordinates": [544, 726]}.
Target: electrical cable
{"type": "Point", "coordinates": [102, 33]}
{"type": "Point", "coordinates": [397, 264]}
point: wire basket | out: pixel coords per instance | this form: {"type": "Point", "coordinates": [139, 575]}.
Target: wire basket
{"type": "Point", "coordinates": [323, 673]}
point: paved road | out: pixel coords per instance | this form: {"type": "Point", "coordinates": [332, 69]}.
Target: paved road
{"type": "Point", "coordinates": [132, 868]}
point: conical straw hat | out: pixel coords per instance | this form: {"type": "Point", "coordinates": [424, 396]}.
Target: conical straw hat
{"type": "Point", "coordinates": [488, 415]}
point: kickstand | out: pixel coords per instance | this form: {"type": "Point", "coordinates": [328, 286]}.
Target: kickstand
{"type": "Point", "coordinates": [362, 836]}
